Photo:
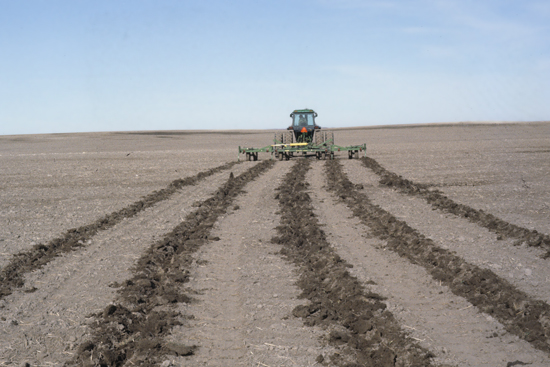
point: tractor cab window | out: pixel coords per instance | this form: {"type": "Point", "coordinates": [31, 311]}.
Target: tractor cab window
{"type": "Point", "coordinates": [303, 119]}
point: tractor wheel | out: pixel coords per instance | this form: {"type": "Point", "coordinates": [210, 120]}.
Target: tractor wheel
{"type": "Point", "coordinates": [319, 138]}
{"type": "Point", "coordinates": [287, 137]}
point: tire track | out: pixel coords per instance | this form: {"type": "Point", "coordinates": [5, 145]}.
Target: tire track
{"type": "Point", "coordinates": [519, 313]}
{"type": "Point", "coordinates": [360, 324]}
{"type": "Point", "coordinates": [439, 201]}
{"type": "Point", "coordinates": [46, 326]}
{"type": "Point", "coordinates": [440, 321]}
{"type": "Point", "coordinates": [39, 255]}
{"type": "Point", "coordinates": [132, 330]}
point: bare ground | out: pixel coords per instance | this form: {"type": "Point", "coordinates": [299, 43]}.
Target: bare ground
{"type": "Point", "coordinates": [332, 288]}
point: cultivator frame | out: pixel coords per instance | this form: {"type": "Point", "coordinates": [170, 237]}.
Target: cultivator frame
{"type": "Point", "coordinates": [303, 137]}
{"type": "Point", "coordinates": [324, 150]}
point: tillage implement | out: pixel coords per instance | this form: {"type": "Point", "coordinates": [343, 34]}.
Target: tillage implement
{"type": "Point", "coordinates": [303, 137]}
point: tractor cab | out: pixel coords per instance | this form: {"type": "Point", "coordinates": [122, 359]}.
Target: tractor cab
{"type": "Point", "coordinates": [303, 125]}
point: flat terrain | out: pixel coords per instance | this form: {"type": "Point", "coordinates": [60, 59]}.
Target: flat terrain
{"type": "Point", "coordinates": [158, 248]}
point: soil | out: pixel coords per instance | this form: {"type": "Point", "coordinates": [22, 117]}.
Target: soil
{"type": "Point", "coordinates": [253, 323]}
{"type": "Point", "coordinates": [357, 318]}
{"type": "Point", "coordinates": [441, 202]}
{"type": "Point", "coordinates": [179, 256]}
{"type": "Point", "coordinates": [41, 254]}
{"type": "Point", "coordinates": [457, 333]}
{"type": "Point", "coordinates": [49, 323]}
{"type": "Point", "coordinates": [522, 315]}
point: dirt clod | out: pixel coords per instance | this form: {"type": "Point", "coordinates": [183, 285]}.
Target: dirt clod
{"type": "Point", "coordinates": [40, 254]}
{"type": "Point", "coordinates": [337, 299]}
{"type": "Point", "coordinates": [439, 201]}
{"type": "Point", "coordinates": [132, 329]}
{"type": "Point", "coordinates": [517, 311]}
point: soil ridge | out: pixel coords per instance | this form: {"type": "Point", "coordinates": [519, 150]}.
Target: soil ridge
{"type": "Point", "coordinates": [521, 315]}
{"type": "Point", "coordinates": [11, 276]}
{"type": "Point", "coordinates": [360, 324]}
{"type": "Point", "coordinates": [439, 201]}
{"type": "Point", "coordinates": [131, 330]}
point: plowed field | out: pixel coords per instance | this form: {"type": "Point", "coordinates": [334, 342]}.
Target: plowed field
{"type": "Point", "coordinates": [160, 249]}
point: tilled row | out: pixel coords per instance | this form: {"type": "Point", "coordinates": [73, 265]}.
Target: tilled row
{"type": "Point", "coordinates": [519, 313]}
{"type": "Point", "coordinates": [11, 276]}
{"type": "Point", "coordinates": [132, 329]}
{"type": "Point", "coordinates": [360, 324]}
{"type": "Point", "coordinates": [439, 201]}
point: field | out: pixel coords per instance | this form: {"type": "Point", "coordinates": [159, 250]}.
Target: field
{"type": "Point", "coordinates": [159, 248]}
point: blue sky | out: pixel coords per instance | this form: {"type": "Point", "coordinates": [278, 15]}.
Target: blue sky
{"type": "Point", "coordinates": [75, 66]}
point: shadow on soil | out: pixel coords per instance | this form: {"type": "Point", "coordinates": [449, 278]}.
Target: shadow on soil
{"type": "Point", "coordinates": [520, 314]}
{"type": "Point", "coordinates": [366, 333]}
{"type": "Point", "coordinates": [39, 255]}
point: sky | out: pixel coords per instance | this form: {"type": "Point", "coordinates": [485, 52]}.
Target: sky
{"type": "Point", "coordinates": [126, 65]}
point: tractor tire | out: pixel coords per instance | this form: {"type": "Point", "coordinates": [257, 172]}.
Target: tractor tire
{"type": "Point", "coordinates": [279, 138]}
{"type": "Point", "coordinates": [287, 137]}
{"type": "Point", "coordinates": [319, 138]}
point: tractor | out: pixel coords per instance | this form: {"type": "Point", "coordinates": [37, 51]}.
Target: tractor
{"type": "Point", "coordinates": [303, 136]}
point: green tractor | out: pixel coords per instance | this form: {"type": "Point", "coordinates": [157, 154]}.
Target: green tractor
{"type": "Point", "coordinates": [303, 125]}
{"type": "Point", "coordinates": [303, 137]}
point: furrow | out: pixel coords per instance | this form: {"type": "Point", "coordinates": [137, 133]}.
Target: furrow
{"type": "Point", "coordinates": [245, 292]}
{"type": "Point", "coordinates": [47, 319]}
{"type": "Point", "coordinates": [446, 324]}
{"type": "Point", "coordinates": [358, 321]}
{"type": "Point", "coordinates": [439, 201]}
{"type": "Point", "coordinates": [521, 266]}
{"type": "Point", "coordinates": [132, 329]}
{"type": "Point", "coordinates": [11, 275]}
{"type": "Point", "coordinates": [521, 315]}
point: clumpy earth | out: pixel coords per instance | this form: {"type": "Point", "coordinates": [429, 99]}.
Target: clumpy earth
{"type": "Point", "coordinates": [159, 248]}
